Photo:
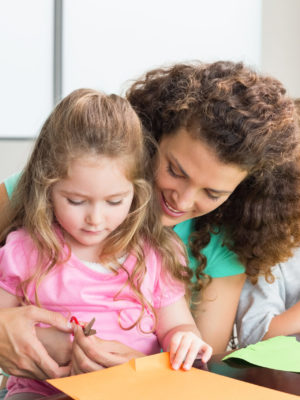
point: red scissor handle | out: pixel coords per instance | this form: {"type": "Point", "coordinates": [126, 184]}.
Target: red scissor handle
{"type": "Point", "coordinates": [74, 319]}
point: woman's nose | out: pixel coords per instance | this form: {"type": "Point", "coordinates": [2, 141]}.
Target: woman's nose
{"type": "Point", "coordinates": [185, 199]}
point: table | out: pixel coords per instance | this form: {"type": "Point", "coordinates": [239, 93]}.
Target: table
{"type": "Point", "coordinates": [288, 382]}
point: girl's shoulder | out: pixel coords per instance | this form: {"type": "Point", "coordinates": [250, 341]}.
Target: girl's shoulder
{"type": "Point", "coordinates": [18, 237]}
{"type": "Point", "coordinates": [151, 256]}
{"type": "Point", "coordinates": [165, 288]}
{"type": "Point", "coordinates": [19, 254]}
{"type": "Point", "coordinates": [19, 245]}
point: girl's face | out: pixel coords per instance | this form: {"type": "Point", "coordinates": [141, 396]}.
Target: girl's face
{"type": "Point", "coordinates": [191, 181]}
{"type": "Point", "coordinates": [92, 202]}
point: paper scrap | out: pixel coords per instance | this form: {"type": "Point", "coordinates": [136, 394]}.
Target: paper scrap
{"type": "Point", "coordinates": [281, 353]}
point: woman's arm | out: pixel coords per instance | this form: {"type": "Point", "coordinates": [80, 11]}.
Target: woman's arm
{"type": "Point", "coordinates": [21, 352]}
{"type": "Point", "coordinates": [177, 332]}
{"type": "Point", "coordinates": [215, 313]}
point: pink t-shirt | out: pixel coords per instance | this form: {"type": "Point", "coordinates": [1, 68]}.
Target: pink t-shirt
{"type": "Point", "coordinates": [75, 289]}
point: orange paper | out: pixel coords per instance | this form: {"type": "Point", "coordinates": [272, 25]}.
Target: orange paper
{"type": "Point", "coordinates": [151, 378]}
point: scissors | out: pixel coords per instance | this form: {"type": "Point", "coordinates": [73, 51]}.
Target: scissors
{"type": "Point", "coordinates": [87, 329]}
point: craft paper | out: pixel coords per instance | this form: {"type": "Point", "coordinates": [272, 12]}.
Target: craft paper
{"type": "Point", "coordinates": [281, 352]}
{"type": "Point", "coordinates": [151, 378]}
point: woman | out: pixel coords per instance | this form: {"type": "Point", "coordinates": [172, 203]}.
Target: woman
{"type": "Point", "coordinates": [227, 180]}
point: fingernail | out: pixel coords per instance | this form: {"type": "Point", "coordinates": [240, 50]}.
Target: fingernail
{"type": "Point", "coordinates": [175, 366]}
{"type": "Point", "coordinates": [69, 325]}
{"type": "Point", "coordinates": [186, 366]}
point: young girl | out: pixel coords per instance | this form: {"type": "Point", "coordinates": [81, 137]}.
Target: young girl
{"type": "Point", "coordinates": [83, 239]}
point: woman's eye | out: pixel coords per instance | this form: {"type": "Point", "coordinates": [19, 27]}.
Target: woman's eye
{"type": "Point", "coordinates": [212, 197]}
{"type": "Point", "coordinates": [75, 202]}
{"type": "Point", "coordinates": [172, 172]}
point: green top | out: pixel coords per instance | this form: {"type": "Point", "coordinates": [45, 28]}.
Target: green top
{"type": "Point", "coordinates": [220, 260]}
{"type": "Point", "coordinates": [11, 182]}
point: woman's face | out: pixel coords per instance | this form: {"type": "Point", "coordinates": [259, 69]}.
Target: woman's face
{"type": "Point", "coordinates": [190, 180]}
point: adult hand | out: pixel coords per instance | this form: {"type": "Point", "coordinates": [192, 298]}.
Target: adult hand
{"type": "Point", "coordinates": [92, 353]}
{"type": "Point", "coordinates": [21, 353]}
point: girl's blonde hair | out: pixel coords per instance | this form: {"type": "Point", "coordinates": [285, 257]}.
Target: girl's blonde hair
{"type": "Point", "coordinates": [91, 123]}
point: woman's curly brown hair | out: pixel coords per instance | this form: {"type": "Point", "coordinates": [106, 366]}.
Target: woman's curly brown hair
{"type": "Point", "coordinates": [249, 121]}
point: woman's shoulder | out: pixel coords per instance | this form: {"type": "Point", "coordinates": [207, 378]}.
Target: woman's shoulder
{"type": "Point", "coordinates": [221, 261]}
{"type": "Point", "coordinates": [184, 229]}
{"type": "Point", "coordinates": [11, 182]}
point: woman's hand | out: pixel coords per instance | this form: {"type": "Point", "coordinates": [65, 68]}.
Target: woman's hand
{"type": "Point", "coordinates": [90, 353]}
{"type": "Point", "coordinates": [185, 347]}
{"type": "Point", "coordinates": [21, 352]}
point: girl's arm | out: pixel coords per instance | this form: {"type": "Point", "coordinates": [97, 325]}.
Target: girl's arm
{"type": "Point", "coordinates": [57, 344]}
{"type": "Point", "coordinates": [286, 323]}
{"type": "Point", "coordinates": [215, 313]}
{"type": "Point", "coordinates": [21, 352]}
{"type": "Point", "coordinates": [177, 333]}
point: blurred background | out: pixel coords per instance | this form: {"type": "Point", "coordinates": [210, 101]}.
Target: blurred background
{"type": "Point", "coordinates": [51, 47]}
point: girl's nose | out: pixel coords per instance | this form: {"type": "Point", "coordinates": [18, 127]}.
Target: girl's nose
{"type": "Point", "coordinates": [94, 216]}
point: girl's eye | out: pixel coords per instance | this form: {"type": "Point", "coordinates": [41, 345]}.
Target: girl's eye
{"type": "Point", "coordinates": [75, 202]}
{"type": "Point", "coordinates": [172, 172]}
{"type": "Point", "coordinates": [114, 203]}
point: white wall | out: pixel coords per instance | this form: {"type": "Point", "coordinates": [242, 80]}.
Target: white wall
{"type": "Point", "coordinates": [13, 156]}
{"type": "Point", "coordinates": [26, 45]}
{"type": "Point", "coordinates": [281, 42]}
{"type": "Point", "coordinates": [107, 43]}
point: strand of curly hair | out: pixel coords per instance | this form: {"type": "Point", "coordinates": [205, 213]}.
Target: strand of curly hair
{"type": "Point", "coordinates": [249, 121]}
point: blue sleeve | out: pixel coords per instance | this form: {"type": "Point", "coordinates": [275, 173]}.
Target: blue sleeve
{"type": "Point", "coordinates": [221, 261]}
{"type": "Point", "coordinates": [11, 182]}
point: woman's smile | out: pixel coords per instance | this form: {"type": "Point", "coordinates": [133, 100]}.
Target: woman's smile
{"type": "Point", "coordinates": [168, 209]}
{"type": "Point", "coordinates": [191, 180]}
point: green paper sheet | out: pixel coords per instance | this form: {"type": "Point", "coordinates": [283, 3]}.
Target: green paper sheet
{"type": "Point", "coordinates": [281, 353]}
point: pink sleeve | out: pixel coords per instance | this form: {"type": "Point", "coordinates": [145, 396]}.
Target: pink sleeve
{"type": "Point", "coordinates": [167, 289]}
{"type": "Point", "coordinates": [14, 262]}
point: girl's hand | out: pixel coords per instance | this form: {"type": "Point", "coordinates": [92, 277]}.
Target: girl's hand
{"type": "Point", "coordinates": [185, 347]}
{"type": "Point", "coordinates": [57, 344]}
{"type": "Point", "coordinates": [92, 353]}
